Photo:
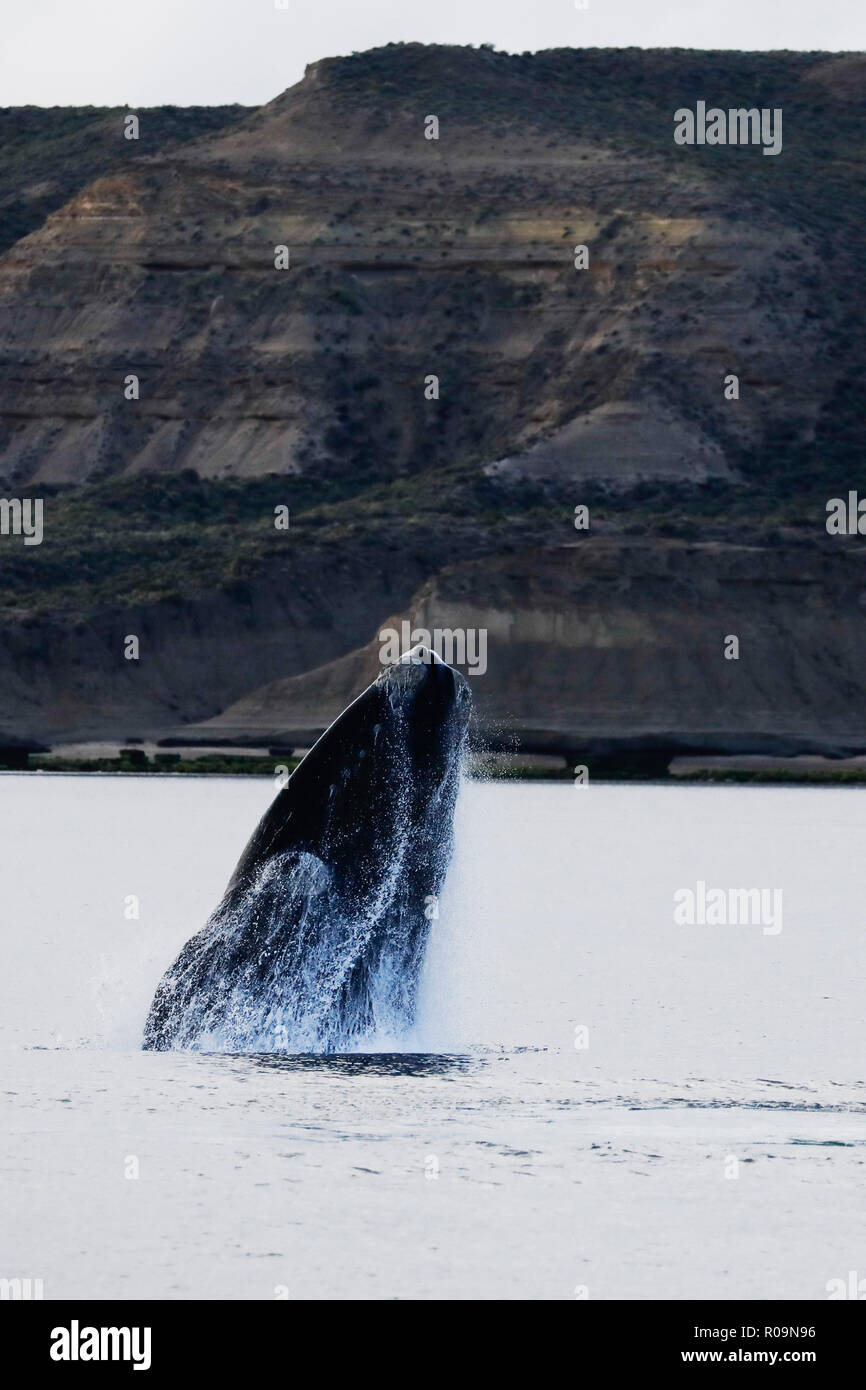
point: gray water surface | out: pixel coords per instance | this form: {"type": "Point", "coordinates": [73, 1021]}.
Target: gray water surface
{"type": "Point", "coordinates": [595, 1100]}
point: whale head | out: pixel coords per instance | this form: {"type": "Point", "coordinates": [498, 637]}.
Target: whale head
{"type": "Point", "coordinates": [431, 702]}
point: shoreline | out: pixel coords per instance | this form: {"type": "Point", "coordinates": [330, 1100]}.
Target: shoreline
{"type": "Point", "coordinates": [483, 767]}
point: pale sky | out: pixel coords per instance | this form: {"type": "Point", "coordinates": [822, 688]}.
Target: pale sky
{"type": "Point", "coordinates": [189, 52]}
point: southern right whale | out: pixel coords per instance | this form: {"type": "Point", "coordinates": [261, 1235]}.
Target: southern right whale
{"type": "Point", "coordinates": [319, 938]}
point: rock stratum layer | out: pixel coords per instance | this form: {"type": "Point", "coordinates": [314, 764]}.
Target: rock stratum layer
{"type": "Point", "coordinates": [455, 258]}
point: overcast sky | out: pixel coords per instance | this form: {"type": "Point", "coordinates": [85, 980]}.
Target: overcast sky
{"type": "Point", "coordinates": [107, 52]}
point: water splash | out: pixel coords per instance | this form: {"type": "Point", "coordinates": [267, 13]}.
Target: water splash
{"type": "Point", "coordinates": [310, 958]}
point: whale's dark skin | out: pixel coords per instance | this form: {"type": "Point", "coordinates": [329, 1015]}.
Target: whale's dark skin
{"type": "Point", "coordinates": [321, 932]}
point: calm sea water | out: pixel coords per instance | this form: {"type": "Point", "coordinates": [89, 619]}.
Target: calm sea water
{"type": "Point", "coordinates": [595, 1097]}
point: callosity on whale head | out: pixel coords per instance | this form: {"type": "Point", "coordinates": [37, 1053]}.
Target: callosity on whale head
{"type": "Point", "coordinates": [320, 936]}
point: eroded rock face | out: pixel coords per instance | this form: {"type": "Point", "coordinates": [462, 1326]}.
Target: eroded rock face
{"type": "Point", "coordinates": [47, 155]}
{"type": "Point", "coordinates": [452, 257]}
{"type": "Point", "coordinates": [604, 644]}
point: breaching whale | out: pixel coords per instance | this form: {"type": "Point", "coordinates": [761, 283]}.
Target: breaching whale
{"type": "Point", "coordinates": [320, 936]}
